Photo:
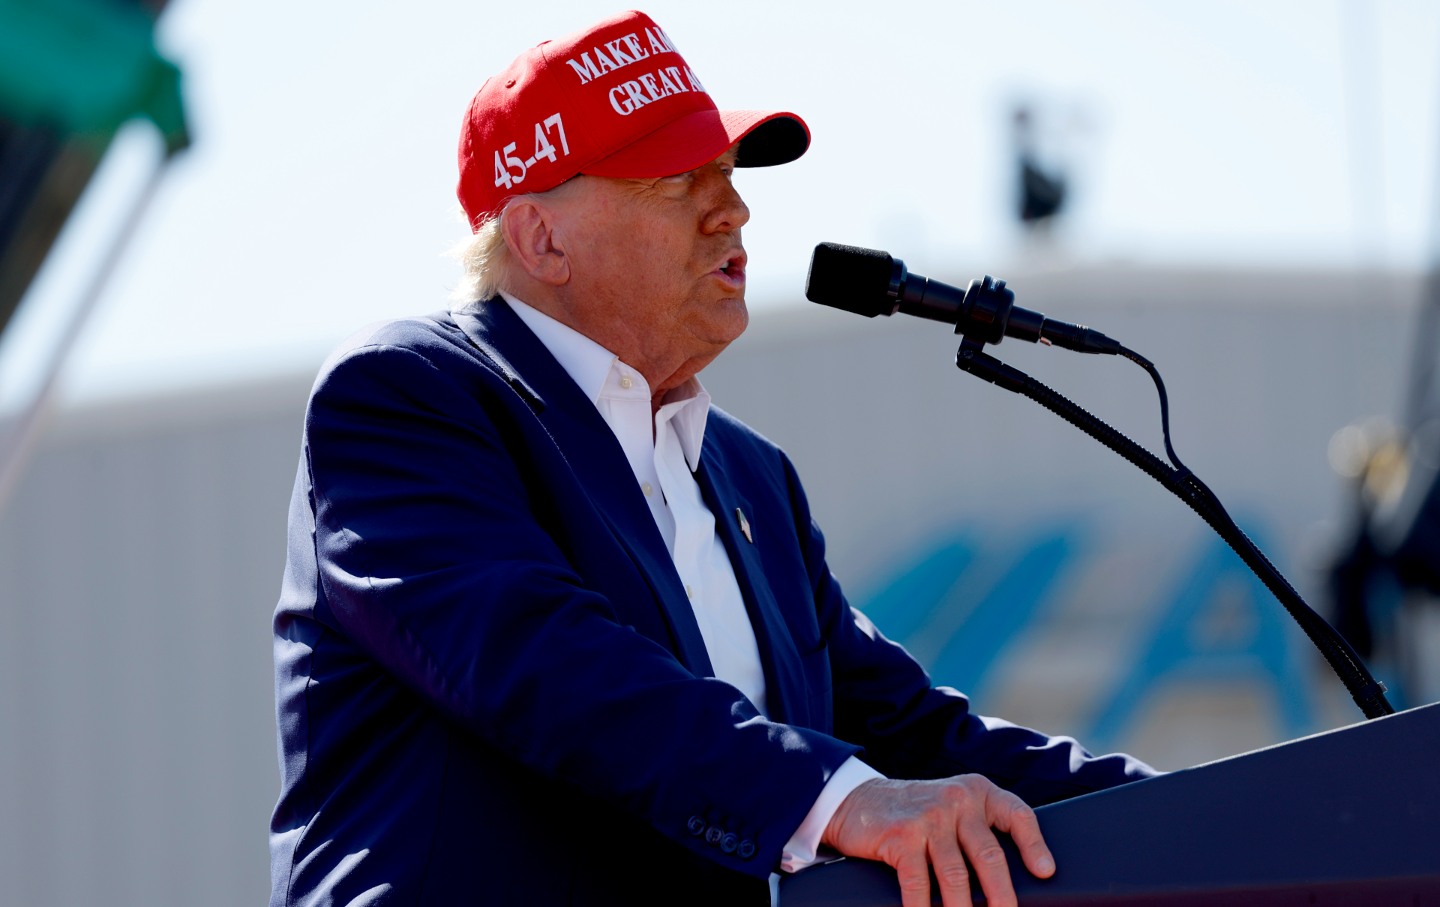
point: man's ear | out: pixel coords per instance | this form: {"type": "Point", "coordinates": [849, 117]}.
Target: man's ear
{"type": "Point", "coordinates": [529, 231]}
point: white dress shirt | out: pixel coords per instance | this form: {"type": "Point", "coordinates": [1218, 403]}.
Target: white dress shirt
{"type": "Point", "coordinates": [664, 453]}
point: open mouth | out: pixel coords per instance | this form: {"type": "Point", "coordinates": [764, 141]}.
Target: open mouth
{"type": "Point", "coordinates": [734, 268]}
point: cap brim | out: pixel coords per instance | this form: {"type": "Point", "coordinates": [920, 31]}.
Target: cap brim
{"type": "Point", "coordinates": [766, 138]}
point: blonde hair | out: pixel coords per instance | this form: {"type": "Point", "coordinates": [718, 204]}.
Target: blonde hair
{"type": "Point", "coordinates": [485, 260]}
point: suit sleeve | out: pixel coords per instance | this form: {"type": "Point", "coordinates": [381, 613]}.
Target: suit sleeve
{"type": "Point", "coordinates": [885, 702]}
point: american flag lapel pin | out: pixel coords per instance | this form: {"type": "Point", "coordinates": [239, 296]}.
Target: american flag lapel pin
{"type": "Point", "coordinates": [744, 525]}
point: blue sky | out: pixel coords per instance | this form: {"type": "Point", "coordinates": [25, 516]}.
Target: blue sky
{"type": "Point", "coordinates": [319, 193]}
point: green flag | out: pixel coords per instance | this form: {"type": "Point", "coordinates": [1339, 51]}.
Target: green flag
{"type": "Point", "coordinates": [84, 67]}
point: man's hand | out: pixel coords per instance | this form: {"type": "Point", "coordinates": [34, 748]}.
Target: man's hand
{"type": "Point", "coordinates": [916, 825]}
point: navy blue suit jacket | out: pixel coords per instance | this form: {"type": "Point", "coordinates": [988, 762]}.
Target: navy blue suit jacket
{"type": "Point", "coordinates": [491, 688]}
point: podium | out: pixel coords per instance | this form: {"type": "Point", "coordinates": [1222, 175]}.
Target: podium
{"type": "Point", "coordinates": [1346, 817]}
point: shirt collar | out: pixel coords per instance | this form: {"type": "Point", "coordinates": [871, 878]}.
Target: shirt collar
{"type": "Point", "coordinates": [687, 407]}
{"type": "Point", "coordinates": [587, 362]}
{"type": "Point", "coordinates": [590, 366]}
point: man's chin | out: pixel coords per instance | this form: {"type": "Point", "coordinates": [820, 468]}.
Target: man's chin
{"type": "Point", "coordinates": [733, 322]}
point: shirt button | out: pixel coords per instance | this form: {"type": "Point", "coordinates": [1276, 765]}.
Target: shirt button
{"type": "Point", "coordinates": [647, 488]}
{"type": "Point", "coordinates": [690, 591]}
{"type": "Point", "coordinates": [625, 382]}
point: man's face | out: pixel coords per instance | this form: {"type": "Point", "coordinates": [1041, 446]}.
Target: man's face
{"type": "Point", "coordinates": [657, 267]}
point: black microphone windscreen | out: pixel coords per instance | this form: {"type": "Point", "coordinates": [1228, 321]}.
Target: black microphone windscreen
{"type": "Point", "coordinates": [851, 278]}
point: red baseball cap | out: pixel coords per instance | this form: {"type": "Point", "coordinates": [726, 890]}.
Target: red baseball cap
{"type": "Point", "coordinates": [616, 100]}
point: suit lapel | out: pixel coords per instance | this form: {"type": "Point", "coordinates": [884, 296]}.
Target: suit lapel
{"type": "Point", "coordinates": [595, 457]}
{"type": "Point", "coordinates": [740, 529]}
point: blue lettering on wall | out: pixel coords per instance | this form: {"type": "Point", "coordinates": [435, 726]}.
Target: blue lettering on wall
{"type": "Point", "coordinates": [1251, 642]}
{"type": "Point", "coordinates": [958, 609]}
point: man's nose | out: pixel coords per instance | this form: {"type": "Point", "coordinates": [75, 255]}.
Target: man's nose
{"type": "Point", "coordinates": [728, 210]}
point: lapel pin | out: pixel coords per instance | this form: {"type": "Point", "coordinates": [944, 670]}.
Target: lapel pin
{"type": "Point", "coordinates": [744, 525]}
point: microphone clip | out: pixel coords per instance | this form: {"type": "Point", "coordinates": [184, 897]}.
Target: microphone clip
{"type": "Point", "coordinates": [986, 313]}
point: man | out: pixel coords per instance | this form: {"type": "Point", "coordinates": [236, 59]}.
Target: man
{"type": "Point", "coordinates": [556, 631]}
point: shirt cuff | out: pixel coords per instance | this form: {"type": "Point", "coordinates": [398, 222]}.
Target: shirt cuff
{"type": "Point", "coordinates": [802, 848]}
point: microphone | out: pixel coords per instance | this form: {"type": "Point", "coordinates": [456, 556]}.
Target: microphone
{"type": "Point", "coordinates": [870, 282]}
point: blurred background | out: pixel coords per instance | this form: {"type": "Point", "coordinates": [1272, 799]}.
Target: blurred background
{"type": "Point", "coordinates": [199, 198]}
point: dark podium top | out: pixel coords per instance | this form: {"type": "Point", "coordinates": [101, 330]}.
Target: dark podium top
{"type": "Point", "coordinates": [1347, 817]}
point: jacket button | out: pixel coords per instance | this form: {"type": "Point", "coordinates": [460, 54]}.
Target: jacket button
{"type": "Point", "coordinates": [696, 825]}
{"type": "Point", "coordinates": [729, 842]}
{"type": "Point", "coordinates": [746, 849]}
{"type": "Point", "coordinates": [712, 835]}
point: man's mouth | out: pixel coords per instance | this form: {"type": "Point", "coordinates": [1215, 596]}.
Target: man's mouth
{"type": "Point", "coordinates": [733, 268]}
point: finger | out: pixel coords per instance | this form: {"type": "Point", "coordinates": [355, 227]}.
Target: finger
{"type": "Point", "coordinates": [950, 872]}
{"type": "Point", "coordinates": [913, 874]}
{"type": "Point", "coordinates": [987, 859]}
{"type": "Point", "coordinates": [1019, 820]}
